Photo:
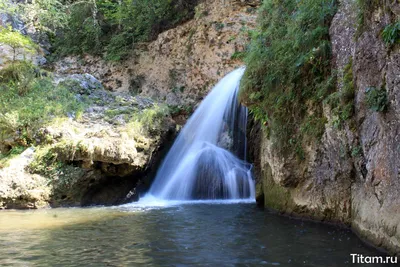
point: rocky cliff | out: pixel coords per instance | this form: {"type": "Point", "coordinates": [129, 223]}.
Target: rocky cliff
{"type": "Point", "coordinates": [183, 63]}
{"type": "Point", "coordinates": [351, 176]}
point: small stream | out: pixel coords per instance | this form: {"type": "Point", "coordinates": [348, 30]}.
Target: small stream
{"type": "Point", "coordinates": [202, 233]}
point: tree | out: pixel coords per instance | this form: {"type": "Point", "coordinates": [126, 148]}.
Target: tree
{"type": "Point", "coordinates": [43, 15]}
{"type": "Point", "coordinates": [17, 42]}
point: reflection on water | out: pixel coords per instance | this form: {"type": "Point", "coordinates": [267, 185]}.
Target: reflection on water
{"type": "Point", "coordinates": [201, 234]}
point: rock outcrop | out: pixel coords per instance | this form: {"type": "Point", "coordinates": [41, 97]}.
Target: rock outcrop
{"type": "Point", "coordinates": [183, 63]}
{"type": "Point", "coordinates": [95, 158]}
{"type": "Point", "coordinates": [352, 175]}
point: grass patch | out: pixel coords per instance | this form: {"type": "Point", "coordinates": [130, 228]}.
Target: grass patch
{"type": "Point", "coordinates": [23, 110]}
{"type": "Point", "coordinates": [148, 121]}
{"type": "Point", "coordinates": [238, 55]}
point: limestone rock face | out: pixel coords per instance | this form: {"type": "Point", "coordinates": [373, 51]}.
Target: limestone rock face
{"type": "Point", "coordinates": [97, 157]}
{"type": "Point", "coordinates": [19, 189]}
{"type": "Point", "coordinates": [183, 63]}
{"type": "Point", "coordinates": [352, 175]}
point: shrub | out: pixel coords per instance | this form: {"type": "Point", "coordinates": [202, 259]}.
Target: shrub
{"type": "Point", "coordinates": [20, 74]}
{"type": "Point", "coordinates": [377, 99]}
{"type": "Point", "coordinates": [18, 42]}
{"type": "Point", "coordinates": [391, 34]}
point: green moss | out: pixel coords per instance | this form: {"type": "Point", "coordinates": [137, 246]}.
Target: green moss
{"type": "Point", "coordinates": [356, 151]}
{"type": "Point", "coordinates": [219, 26]}
{"type": "Point", "coordinates": [276, 197]}
{"type": "Point", "coordinates": [148, 121]}
{"type": "Point", "coordinates": [288, 73]}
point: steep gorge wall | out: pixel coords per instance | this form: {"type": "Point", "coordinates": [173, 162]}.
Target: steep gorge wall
{"type": "Point", "coordinates": [352, 175]}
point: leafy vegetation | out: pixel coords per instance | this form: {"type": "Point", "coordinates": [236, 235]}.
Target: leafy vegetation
{"type": "Point", "coordinates": [377, 99]}
{"type": "Point", "coordinates": [112, 28]}
{"type": "Point", "coordinates": [288, 73]}
{"type": "Point", "coordinates": [147, 121]}
{"type": "Point", "coordinates": [342, 102]}
{"type": "Point", "coordinates": [60, 175]}
{"type": "Point", "coordinates": [26, 106]}
{"type": "Point", "coordinates": [19, 43]}
{"type": "Point", "coordinates": [238, 55]}
{"type": "Point", "coordinates": [391, 34]}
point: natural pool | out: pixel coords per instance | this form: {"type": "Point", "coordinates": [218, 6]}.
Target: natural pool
{"type": "Point", "coordinates": [171, 234]}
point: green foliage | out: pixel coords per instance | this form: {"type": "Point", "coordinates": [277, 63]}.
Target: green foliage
{"type": "Point", "coordinates": [391, 34]}
{"type": "Point", "coordinates": [342, 102]}
{"type": "Point", "coordinates": [18, 42]}
{"type": "Point", "coordinates": [147, 121]}
{"type": "Point", "coordinates": [40, 102]}
{"type": "Point", "coordinates": [7, 8]}
{"type": "Point", "coordinates": [83, 31]}
{"type": "Point", "coordinates": [377, 99]}
{"type": "Point", "coordinates": [45, 15]}
{"type": "Point", "coordinates": [356, 151]}
{"type": "Point", "coordinates": [240, 55]}
{"type": "Point", "coordinates": [113, 27]}
{"type": "Point", "coordinates": [47, 162]}
{"type": "Point", "coordinates": [288, 71]}
{"type": "Point", "coordinates": [20, 74]}
{"type": "Point", "coordinates": [118, 47]}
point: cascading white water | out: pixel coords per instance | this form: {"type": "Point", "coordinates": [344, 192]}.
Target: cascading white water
{"type": "Point", "coordinates": [207, 160]}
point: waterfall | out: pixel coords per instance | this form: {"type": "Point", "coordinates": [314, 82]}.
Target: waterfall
{"type": "Point", "coordinates": [207, 160]}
